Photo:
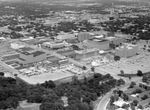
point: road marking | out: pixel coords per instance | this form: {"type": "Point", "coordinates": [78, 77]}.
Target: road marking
{"type": "Point", "coordinates": [106, 104]}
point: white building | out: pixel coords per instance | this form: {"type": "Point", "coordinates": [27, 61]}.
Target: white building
{"type": "Point", "coordinates": [86, 53]}
{"type": "Point", "coordinates": [126, 50]}
{"type": "Point", "coordinates": [56, 44]}
{"type": "Point", "coordinates": [84, 36]}
{"type": "Point", "coordinates": [97, 43]}
{"type": "Point", "coordinates": [66, 36]}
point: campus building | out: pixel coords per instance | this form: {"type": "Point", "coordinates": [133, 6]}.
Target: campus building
{"type": "Point", "coordinates": [116, 41]}
{"type": "Point", "coordinates": [97, 43]}
{"type": "Point", "coordinates": [86, 53]}
{"type": "Point", "coordinates": [66, 36]}
{"type": "Point", "coordinates": [29, 56]}
{"type": "Point", "coordinates": [56, 45]}
{"type": "Point", "coordinates": [127, 50]}
{"type": "Point", "coordinates": [84, 36]}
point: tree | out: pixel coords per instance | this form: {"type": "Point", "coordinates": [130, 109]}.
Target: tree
{"type": "Point", "coordinates": [120, 82]}
{"type": "Point", "coordinates": [137, 91]}
{"type": "Point", "coordinates": [116, 58]}
{"type": "Point", "coordinates": [132, 84]}
{"type": "Point", "coordinates": [75, 47]}
{"type": "Point", "coordinates": [83, 106]}
{"type": "Point", "coordinates": [51, 106]}
{"type": "Point", "coordinates": [121, 71]}
{"type": "Point", "coordinates": [120, 92]}
{"type": "Point", "coordinates": [93, 69]}
{"type": "Point", "coordinates": [125, 97]}
{"type": "Point", "coordinates": [84, 67]}
{"type": "Point", "coordinates": [85, 80]}
{"type": "Point", "coordinates": [97, 75]}
{"type": "Point", "coordinates": [1, 74]}
{"type": "Point", "coordinates": [75, 79]}
{"type": "Point", "coordinates": [144, 97]}
{"type": "Point", "coordinates": [125, 106]}
{"type": "Point", "coordinates": [49, 84]}
{"type": "Point", "coordinates": [51, 98]}
{"type": "Point", "coordinates": [15, 75]}
{"type": "Point", "coordinates": [135, 102]}
{"type": "Point", "coordinates": [112, 100]}
{"type": "Point", "coordinates": [140, 107]}
{"type": "Point", "coordinates": [139, 73]}
{"type": "Point", "coordinates": [129, 77]}
{"type": "Point", "coordinates": [145, 78]}
{"type": "Point", "coordinates": [132, 107]}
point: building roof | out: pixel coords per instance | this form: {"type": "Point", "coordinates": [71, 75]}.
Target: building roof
{"type": "Point", "coordinates": [66, 36]}
{"type": "Point", "coordinates": [87, 51]}
{"type": "Point", "coordinates": [120, 103]}
{"type": "Point", "coordinates": [26, 49]}
{"type": "Point", "coordinates": [120, 109]}
{"type": "Point", "coordinates": [37, 53]}
{"type": "Point", "coordinates": [22, 59]}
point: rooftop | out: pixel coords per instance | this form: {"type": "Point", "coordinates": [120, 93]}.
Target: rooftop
{"type": "Point", "coordinates": [86, 51]}
{"type": "Point", "coordinates": [99, 40]}
{"type": "Point", "coordinates": [26, 49]}
{"type": "Point", "coordinates": [37, 53]}
{"type": "Point", "coordinates": [21, 59]}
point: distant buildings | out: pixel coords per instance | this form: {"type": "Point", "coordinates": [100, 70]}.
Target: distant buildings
{"type": "Point", "coordinates": [127, 50]}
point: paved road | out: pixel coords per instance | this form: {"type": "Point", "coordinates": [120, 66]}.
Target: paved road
{"type": "Point", "coordinates": [103, 103]}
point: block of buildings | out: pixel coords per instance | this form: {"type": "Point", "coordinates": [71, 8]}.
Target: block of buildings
{"type": "Point", "coordinates": [81, 54]}
{"type": "Point", "coordinates": [97, 43]}
{"type": "Point", "coordinates": [28, 56]}
{"type": "Point", "coordinates": [126, 50]}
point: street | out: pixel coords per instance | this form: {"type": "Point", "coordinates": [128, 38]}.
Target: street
{"type": "Point", "coordinates": [105, 100]}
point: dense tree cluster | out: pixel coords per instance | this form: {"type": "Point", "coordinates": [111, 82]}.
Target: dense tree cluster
{"type": "Point", "coordinates": [80, 93]}
{"type": "Point", "coordinates": [66, 26]}
{"type": "Point", "coordinates": [132, 26]}
{"type": "Point", "coordinates": [11, 91]}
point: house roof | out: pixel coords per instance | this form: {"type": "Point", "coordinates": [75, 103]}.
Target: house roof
{"type": "Point", "coordinates": [120, 103]}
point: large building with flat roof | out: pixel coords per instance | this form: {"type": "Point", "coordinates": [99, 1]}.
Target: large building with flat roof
{"type": "Point", "coordinates": [66, 36]}
{"type": "Point", "coordinates": [82, 54]}
{"type": "Point", "coordinates": [29, 56]}
{"type": "Point", "coordinates": [127, 50]}
{"type": "Point", "coordinates": [97, 43]}
{"type": "Point", "coordinates": [56, 45]}
{"type": "Point", "coordinates": [116, 41]}
{"type": "Point", "coordinates": [84, 36]}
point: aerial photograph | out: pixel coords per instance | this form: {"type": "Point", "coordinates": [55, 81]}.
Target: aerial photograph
{"type": "Point", "coordinates": [74, 54]}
